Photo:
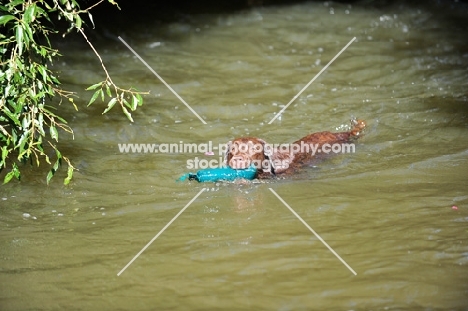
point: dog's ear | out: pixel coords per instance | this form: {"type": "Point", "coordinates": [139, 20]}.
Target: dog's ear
{"type": "Point", "coordinates": [227, 153]}
{"type": "Point", "coordinates": [267, 151]}
{"type": "Point", "coordinates": [266, 148]}
{"type": "Point", "coordinates": [280, 161]}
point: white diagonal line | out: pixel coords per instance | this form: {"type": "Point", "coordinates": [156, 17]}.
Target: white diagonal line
{"type": "Point", "coordinates": [308, 84]}
{"type": "Point", "coordinates": [162, 80]}
{"type": "Point", "coordinates": [312, 230]}
{"type": "Point", "coordinates": [160, 232]}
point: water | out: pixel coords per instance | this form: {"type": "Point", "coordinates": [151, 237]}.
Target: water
{"type": "Point", "coordinates": [386, 210]}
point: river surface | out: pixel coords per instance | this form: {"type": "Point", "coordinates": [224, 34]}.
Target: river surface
{"type": "Point", "coordinates": [394, 212]}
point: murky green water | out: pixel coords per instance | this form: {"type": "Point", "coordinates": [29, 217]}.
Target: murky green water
{"type": "Point", "coordinates": [386, 210]}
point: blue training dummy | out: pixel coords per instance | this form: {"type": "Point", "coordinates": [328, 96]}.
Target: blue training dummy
{"type": "Point", "coordinates": [224, 173]}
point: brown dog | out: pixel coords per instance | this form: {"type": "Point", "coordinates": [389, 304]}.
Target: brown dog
{"type": "Point", "coordinates": [271, 160]}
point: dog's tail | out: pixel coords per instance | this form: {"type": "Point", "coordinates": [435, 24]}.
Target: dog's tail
{"type": "Point", "coordinates": [358, 127]}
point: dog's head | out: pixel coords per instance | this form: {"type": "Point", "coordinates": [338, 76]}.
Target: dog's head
{"type": "Point", "coordinates": [243, 152]}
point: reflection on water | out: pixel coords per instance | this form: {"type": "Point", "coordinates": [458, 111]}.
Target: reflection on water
{"type": "Point", "coordinates": [386, 209]}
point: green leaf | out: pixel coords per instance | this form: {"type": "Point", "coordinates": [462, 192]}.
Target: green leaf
{"type": "Point", "coordinates": [29, 35]}
{"type": "Point", "coordinates": [108, 91]}
{"type": "Point", "coordinates": [17, 172]}
{"type": "Point", "coordinates": [134, 102]}
{"type": "Point", "coordinates": [11, 116]}
{"type": "Point", "coordinates": [4, 155]}
{"type": "Point", "coordinates": [19, 38]}
{"type": "Point", "coordinates": [57, 164]}
{"type": "Point", "coordinates": [38, 126]}
{"type": "Point", "coordinates": [94, 86]}
{"type": "Point", "coordinates": [49, 176]}
{"type": "Point", "coordinates": [50, 8]}
{"type": "Point", "coordinates": [78, 21]}
{"type": "Point", "coordinates": [140, 99]}
{"type": "Point", "coordinates": [93, 98]}
{"type": "Point", "coordinates": [91, 19]}
{"type": "Point", "coordinates": [58, 154]}
{"type": "Point", "coordinates": [8, 177]}
{"type": "Point", "coordinates": [114, 3]}
{"type": "Point", "coordinates": [13, 173]}
{"type": "Point", "coordinates": [67, 180]}
{"type": "Point", "coordinates": [68, 16]}
{"type": "Point", "coordinates": [128, 114]}
{"type": "Point", "coordinates": [20, 145]}
{"type": "Point", "coordinates": [53, 133]}
{"type": "Point", "coordinates": [14, 3]}
{"type": "Point", "coordinates": [55, 167]}
{"type": "Point", "coordinates": [40, 123]}
{"type": "Point", "coordinates": [5, 19]}
{"type": "Point", "coordinates": [41, 12]}
{"type": "Point", "coordinates": [50, 113]}
{"type": "Point", "coordinates": [110, 105]}
{"type": "Point", "coordinates": [29, 13]}
{"type": "Point", "coordinates": [126, 103]}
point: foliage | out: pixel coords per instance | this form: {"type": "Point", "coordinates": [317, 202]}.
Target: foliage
{"type": "Point", "coordinates": [29, 123]}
